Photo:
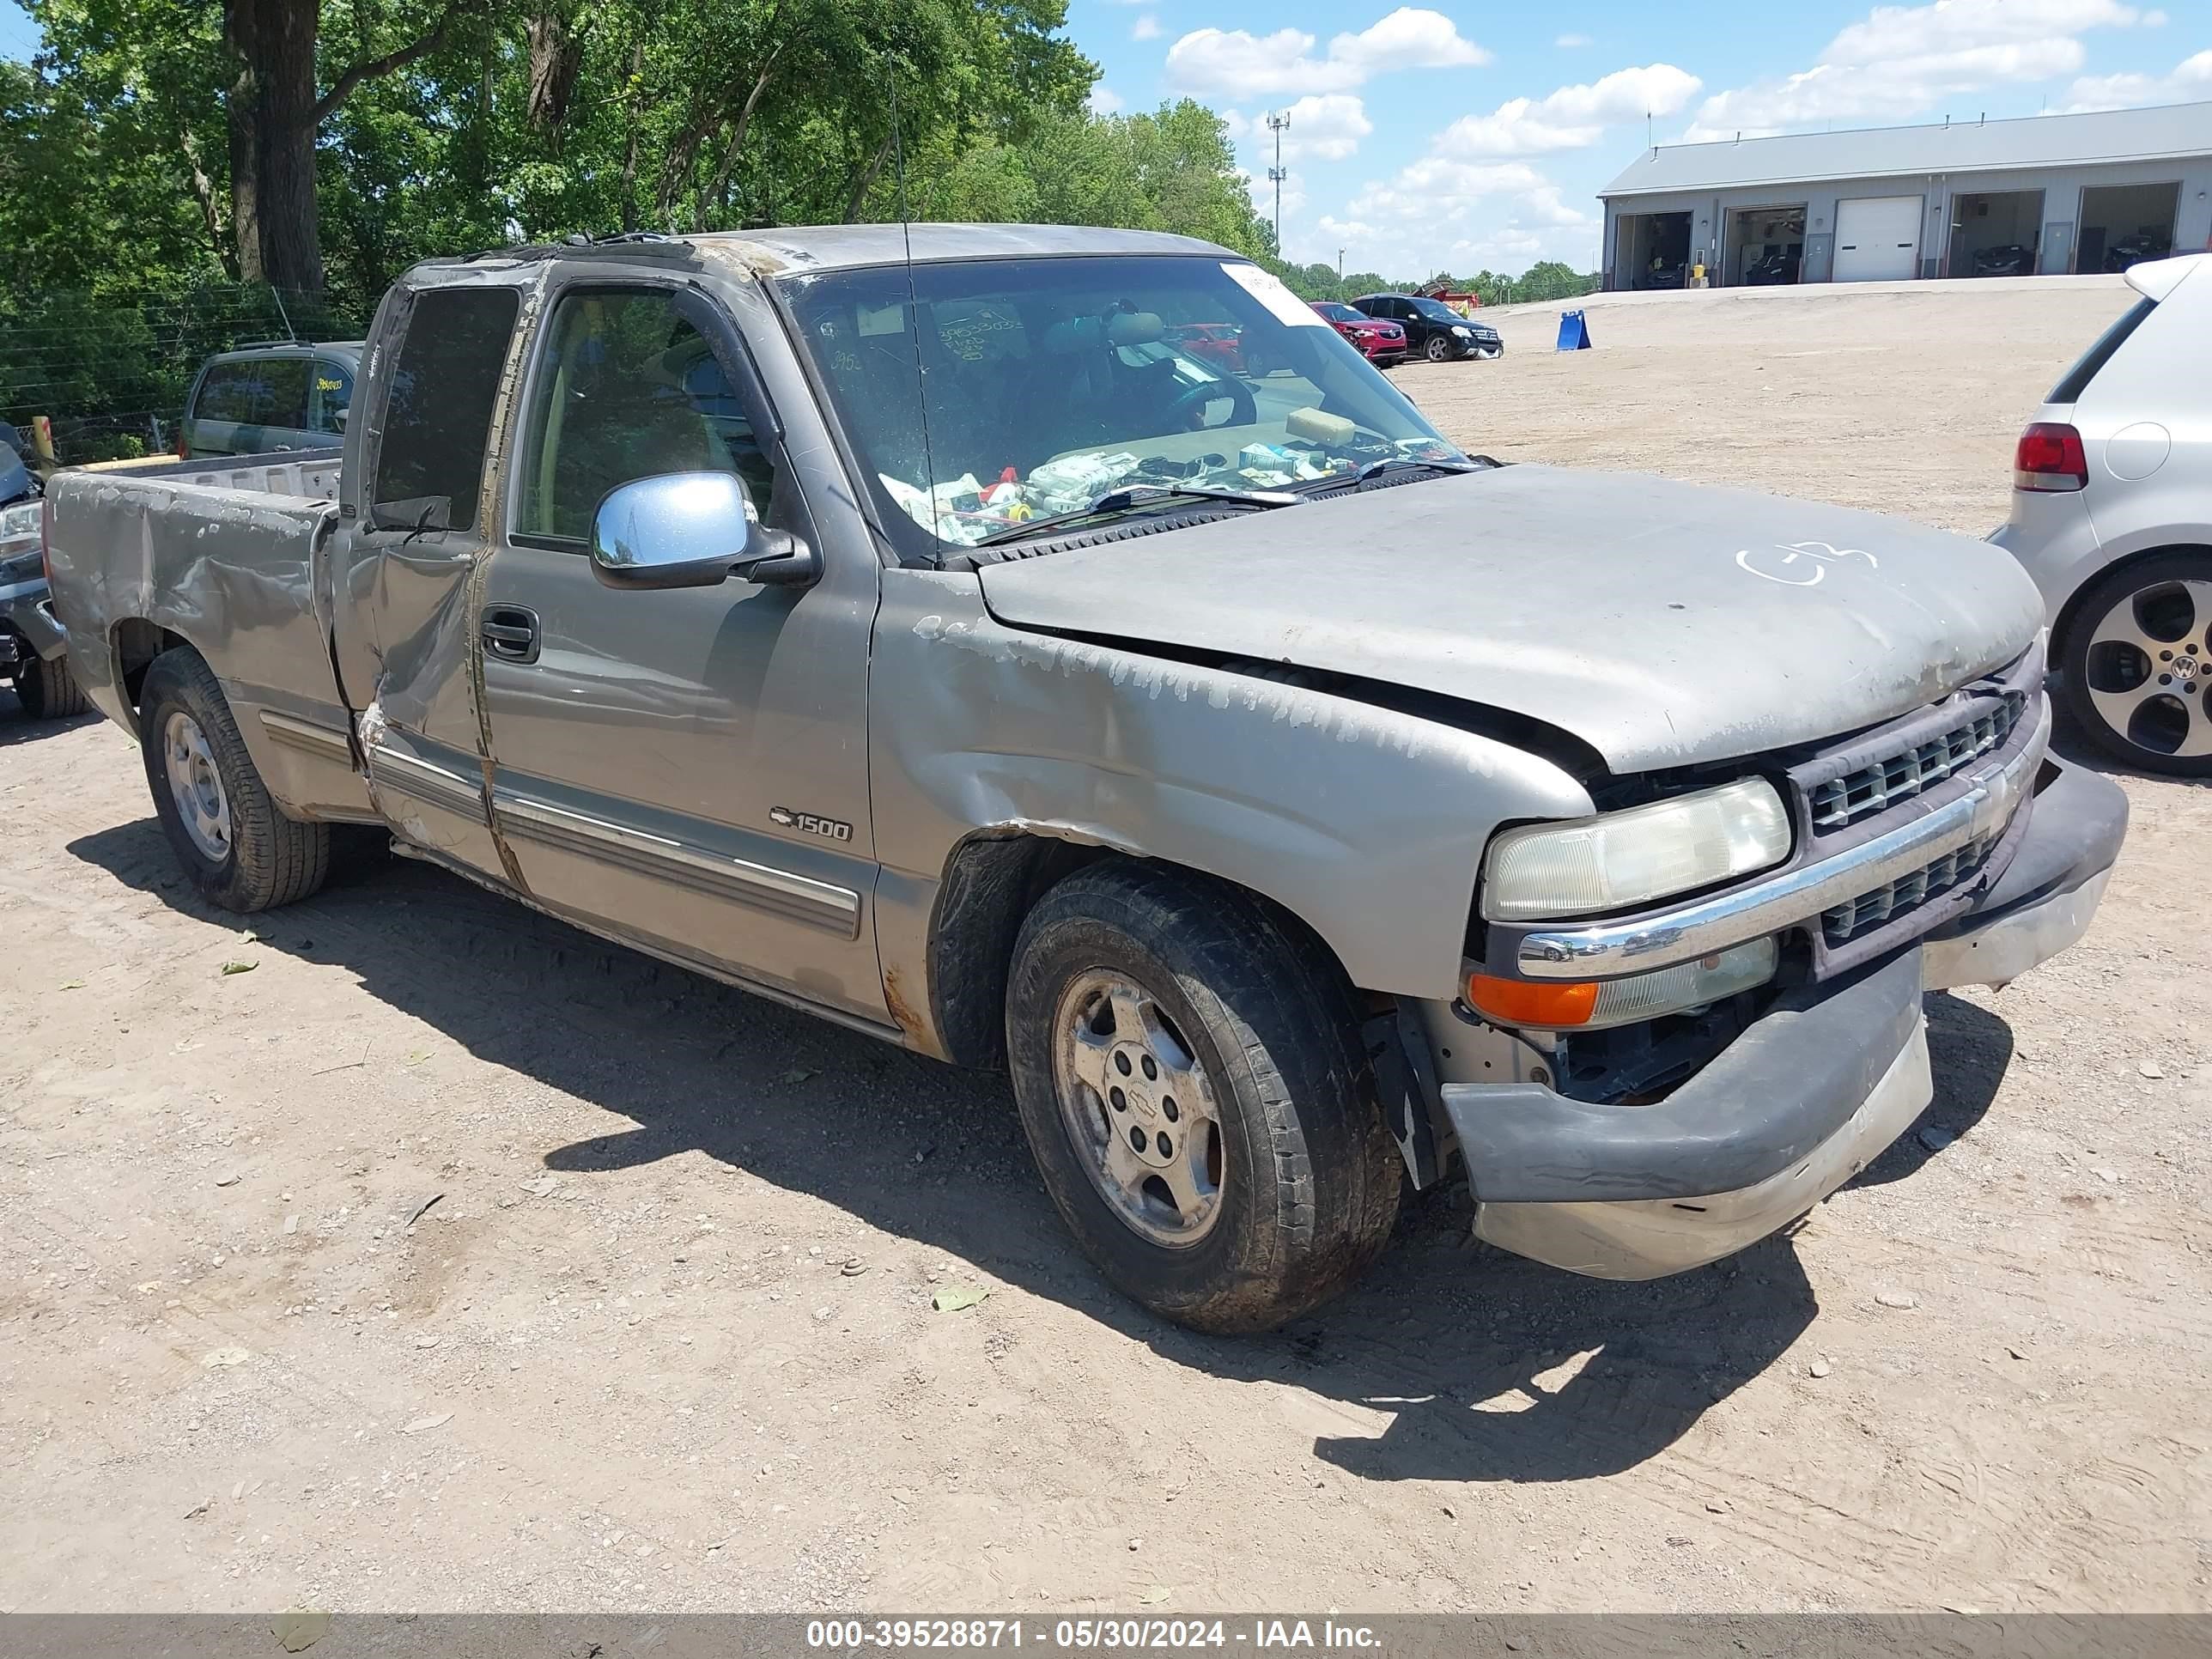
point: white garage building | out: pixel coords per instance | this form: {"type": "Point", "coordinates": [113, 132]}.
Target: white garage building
{"type": "Point", "coordinates": [2045, 193]}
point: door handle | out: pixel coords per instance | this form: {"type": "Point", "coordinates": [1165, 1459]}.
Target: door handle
{"type": "Point", "coordinates": [510, 633]}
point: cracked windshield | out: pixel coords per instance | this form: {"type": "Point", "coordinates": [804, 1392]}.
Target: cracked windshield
{"type": "Point", "coordinates": [1047, 384]}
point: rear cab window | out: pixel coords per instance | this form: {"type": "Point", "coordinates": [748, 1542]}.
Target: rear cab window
{"type": "Point", "coordinates": [436, 424]}
{"type": "Point", "coordinates": [2086, 367]}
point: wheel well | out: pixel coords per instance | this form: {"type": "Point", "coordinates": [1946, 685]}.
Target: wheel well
{"type": "Point", "coordinates": [991, 883]}
{"type": "Point", "coordinates": [137, 642]}
{"type": "Point", "coordinates": [2069, 612]}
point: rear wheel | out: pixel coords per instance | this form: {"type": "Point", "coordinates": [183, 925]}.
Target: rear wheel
{"type": "Point", "coordinates": [240, 850]}
{"type": "Point", "coordinates": [1188, 1071]}
{"type": "Point", "coordinates": [2137, 660]}
{"type": "Point", "coordinates": [48, 691]}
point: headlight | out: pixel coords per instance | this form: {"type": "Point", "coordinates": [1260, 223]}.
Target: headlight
{"type": "Point", "coordinates": [1462, 332]}
{"type": "Point", "coordinates": [1620, 859]}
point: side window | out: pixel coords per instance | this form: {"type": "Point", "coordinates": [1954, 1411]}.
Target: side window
{"type": "Point", "coordinates": [437, 412]}
{"type": "Point", "coordinates": [224, 394]}
{"type": "Point", "coordinates": [627, 388]}
{"type": "Point", "coordinates": [333, 394]}
{"type": "Point", "coordinates": [284, 392]}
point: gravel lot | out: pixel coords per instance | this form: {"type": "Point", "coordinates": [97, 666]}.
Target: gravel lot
{"type": "Point", "coordinates": [664, 1338]}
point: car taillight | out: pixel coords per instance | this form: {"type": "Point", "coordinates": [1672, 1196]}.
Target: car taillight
{"type": "Point", "coordinates": [2048, 459]}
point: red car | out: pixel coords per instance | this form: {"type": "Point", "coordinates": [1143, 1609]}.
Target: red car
{"type": "Point", "coordinates": [1218, 345]}
{"type": "Point", "coordinates": [1382, 343]}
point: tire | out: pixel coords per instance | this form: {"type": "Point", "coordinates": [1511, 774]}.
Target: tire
{"type": "Point", "coordinates": [264, 859]}
{"type": "Point", "coordinates": [2136, 660]}
{"type": "Point", "coordinates": [1305, 1175]}
{"type": "Point", "coordinates": [1438, 349]}
{"type": "Point", "coordinates": [48, 691]}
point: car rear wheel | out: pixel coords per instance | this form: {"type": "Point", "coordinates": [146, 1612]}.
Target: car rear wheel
{"type": "Point", "coordinates": [48, 691]}
{"type": "Point", "coordinates": [2137, 660]}
{"type": "Point", "coordinates": [1187, 1064]}
{"type": "Point", "coordinates": [1438, 350]}
{"type": "Point", "coordinates": [239, 850]}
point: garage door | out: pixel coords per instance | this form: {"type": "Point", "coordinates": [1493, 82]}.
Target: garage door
{"type": "Point", "coordinates": [1878, 239]}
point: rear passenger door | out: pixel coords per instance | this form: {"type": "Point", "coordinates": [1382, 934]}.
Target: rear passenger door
{"type": "Point", "coordinates": [687, 767]}
{"type": "Point", "coordinates": [407, 563]}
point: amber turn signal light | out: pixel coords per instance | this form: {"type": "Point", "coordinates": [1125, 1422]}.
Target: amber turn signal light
{"type": "Point", "coordinates": [1548, 1007]}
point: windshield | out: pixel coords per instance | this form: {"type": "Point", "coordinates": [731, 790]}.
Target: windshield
{"type": "Point", "coordinates": [1050, 382]}
{"type": "Point", "coordinates": [1340, 313]}
{"type": "Point", "coordinates": [1438, 312]}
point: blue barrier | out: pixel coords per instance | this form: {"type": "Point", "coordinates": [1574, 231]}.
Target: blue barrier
{"type": "Point", "coordinates": [1574, 332]}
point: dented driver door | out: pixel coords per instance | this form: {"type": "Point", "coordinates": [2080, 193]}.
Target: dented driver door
{"type": "Point", "coordinates": [687, 767]}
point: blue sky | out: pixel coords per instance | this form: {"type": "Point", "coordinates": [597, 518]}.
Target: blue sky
{"type": "Point", "coordinates": [1458, 138]}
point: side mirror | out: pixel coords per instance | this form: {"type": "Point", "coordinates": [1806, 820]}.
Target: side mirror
{"type": "Point", "coordinates": [692, 530]}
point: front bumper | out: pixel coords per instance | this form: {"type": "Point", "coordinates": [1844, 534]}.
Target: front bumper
{"type": "Point", "coordinates": [1796, 1106]}
{"type": "Point", "coordinates": [28, 609]}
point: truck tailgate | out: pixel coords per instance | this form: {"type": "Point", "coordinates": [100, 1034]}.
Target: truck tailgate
{"type": "Point", "coordinates": [238, 575]}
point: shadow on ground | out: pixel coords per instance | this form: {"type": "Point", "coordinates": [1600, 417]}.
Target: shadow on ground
{"type": "Point", "coordinates": [1488, 1367]}
{"type": "Point", "coordinates": [17, 727]}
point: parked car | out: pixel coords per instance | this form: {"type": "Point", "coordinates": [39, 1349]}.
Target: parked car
{"type": "Point", "coordinates": [2010, 260]}
{"type": "Point", "coordinates": [2152, 242]}
{"type": "Point", "coordinates": [1776, 265]}
{"type": "Point", "coordinates": [1382, 343]}
{"type": "Point", "coordinates": [1218, 343]}
{"type": "Point", "coordinates": [1433, 329]}
{"type": "Point", "coordinates": [32, 655]}
{"type": "Point", "coordinates": [1293, 804]}
{"type": "Point", "coordinates": [2112, 513]}
{"type": "Point", "coordinates": [269, 398]}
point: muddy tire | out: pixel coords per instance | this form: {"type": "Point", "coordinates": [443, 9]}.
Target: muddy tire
{"type": "Point", "coordinates": [240, 850]}
{"type": "Point", "coordinates": [48, 691]}
{"type": "Point", "coordinates": [1188, 1066]}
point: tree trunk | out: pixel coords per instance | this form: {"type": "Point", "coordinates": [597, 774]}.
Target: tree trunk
{"type": "Point", "coordinates": [720, 191]}
{"type": "Point", "coordinates": [629, 153]}
{"type": "Point", "coordinates": [556, 58]}
{"type": "Point", "coordinates": [868, 175]}
{"type": "Point", "coordinates": [272, 121]}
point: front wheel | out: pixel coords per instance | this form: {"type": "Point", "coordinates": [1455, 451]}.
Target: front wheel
{"type": "Point", "coordinates": [240, 850]}
{"type": "Point", "coordinates": [1188, 1071]}
{"type": "Point", "coordinates": [1438, 350]}
{"type": "Point", "coordinates": [2136, 662]}
{"type": "Point", "coordinates": [48, 691]}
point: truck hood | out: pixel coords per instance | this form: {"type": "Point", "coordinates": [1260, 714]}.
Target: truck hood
{"type": "Point", "coordinates": [1662, 623]}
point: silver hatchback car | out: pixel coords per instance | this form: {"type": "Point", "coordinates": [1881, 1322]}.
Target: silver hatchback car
{"type": "Point", "coordinates": [2112, 513]}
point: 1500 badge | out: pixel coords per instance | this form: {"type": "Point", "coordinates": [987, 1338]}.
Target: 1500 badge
{"type": "Point", "coordinates": [827, 829]}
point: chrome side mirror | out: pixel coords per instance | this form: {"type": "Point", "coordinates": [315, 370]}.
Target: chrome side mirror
{"type": "Point", "coordinates": [692, 530]}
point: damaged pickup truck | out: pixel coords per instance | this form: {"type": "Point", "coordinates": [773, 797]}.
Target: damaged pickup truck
{"type": "Point", "coordinates": [1294, 805]}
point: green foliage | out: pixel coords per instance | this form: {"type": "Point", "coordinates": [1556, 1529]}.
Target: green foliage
{"type": "Point", "coordinates": [1547, 279]}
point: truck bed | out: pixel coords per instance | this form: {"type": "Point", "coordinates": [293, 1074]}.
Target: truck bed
{"type": "Point", "coordinates": [226, 556]}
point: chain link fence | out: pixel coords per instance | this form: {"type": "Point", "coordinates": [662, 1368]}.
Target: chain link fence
{"type": "Point", "coordinates": [112, 371]}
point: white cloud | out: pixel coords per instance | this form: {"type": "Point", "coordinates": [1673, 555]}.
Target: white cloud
{"type": "Point", "coordinates": [1146, 27]}
{"type": "Point", "coordinates": [1901, 60]}
{"type": "Point", "coordinates": [1237, 63]}
{"type": "Point", "coordinates": [2154, 20]}
{"type": "Point", "coordinates": [1569, 42]}
{"type": "Point", "coordinates": [2191, 80]}
{"type": "Point", "coordinates": [1572, 118]}
{"type": "Point", "coordinates": [1105, 100]}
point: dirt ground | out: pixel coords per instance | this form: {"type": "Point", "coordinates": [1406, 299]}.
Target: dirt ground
{"type": "Point", "coordinates": [663, 1338]}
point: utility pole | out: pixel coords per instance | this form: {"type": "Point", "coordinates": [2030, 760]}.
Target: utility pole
{"type": "Point", "coordinates": [1339, 264]}
{"type": "Point", "coordinates": [1278, 120]}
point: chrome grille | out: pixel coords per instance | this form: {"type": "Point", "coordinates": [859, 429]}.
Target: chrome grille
{"type": "Point", "coordinates": [1842, 923]}
{"type": "Point", "coordinates": [1884, 782]}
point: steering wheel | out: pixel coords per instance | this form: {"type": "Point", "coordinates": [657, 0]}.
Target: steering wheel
{"type": "Point", "coordinates": [1188, 410]}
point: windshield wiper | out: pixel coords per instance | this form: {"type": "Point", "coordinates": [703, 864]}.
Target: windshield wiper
{"type": "Point", "coordinates": [1129, 497]}
{"type": "Point", "coordinates": [1375, 469]}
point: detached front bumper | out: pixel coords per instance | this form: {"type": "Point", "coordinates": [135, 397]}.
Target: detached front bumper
{"type": "Point", "coordinates": [1796, 1105]}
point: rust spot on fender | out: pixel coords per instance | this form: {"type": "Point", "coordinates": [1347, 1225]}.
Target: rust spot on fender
{"type": "Point", "coordinates": [915, 1028]}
